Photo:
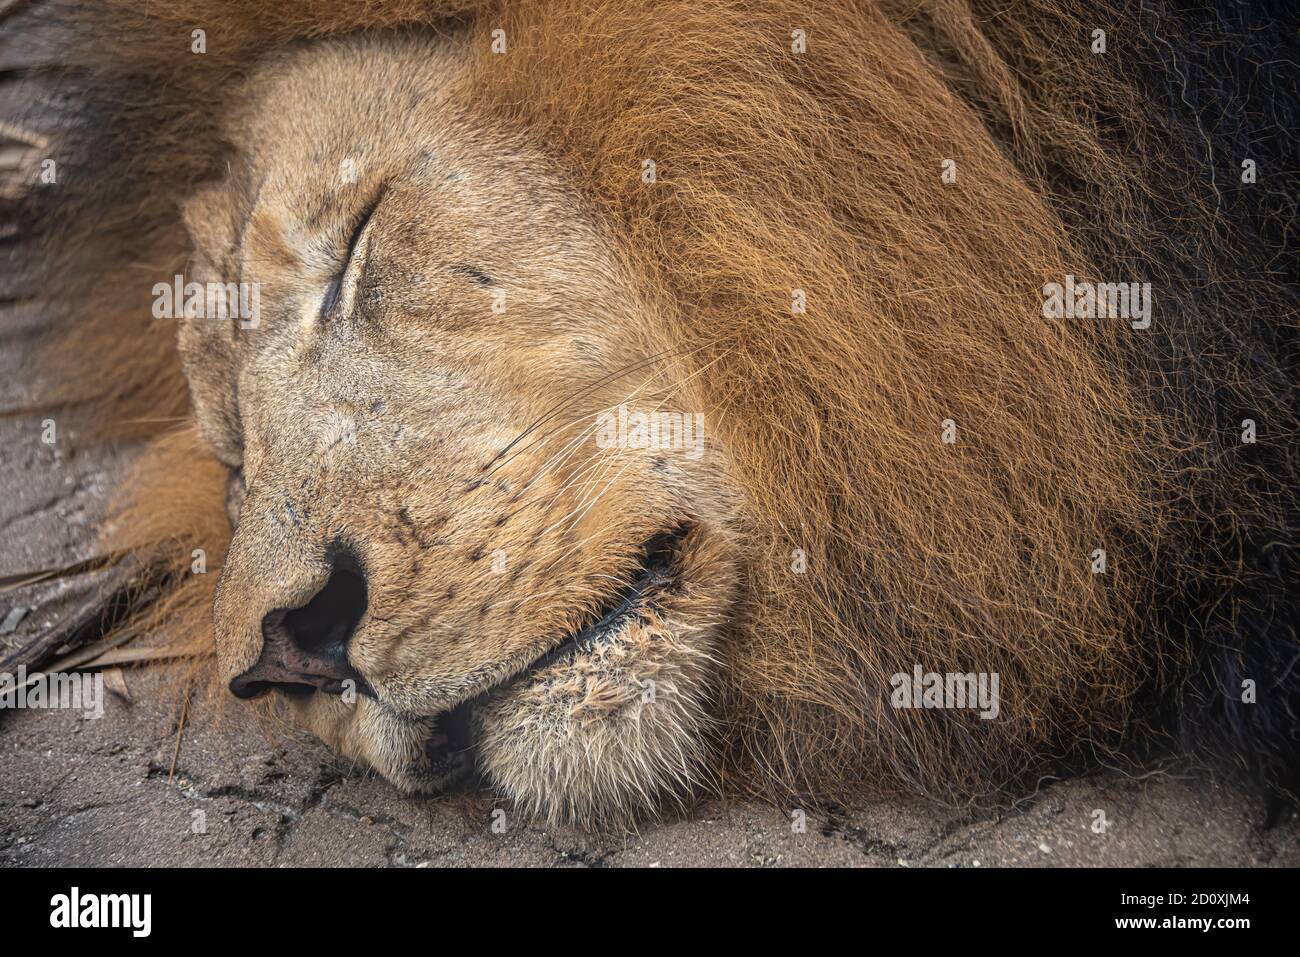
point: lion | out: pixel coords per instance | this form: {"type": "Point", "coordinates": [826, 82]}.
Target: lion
{"type": "Point", "coordinates": [631, 401]}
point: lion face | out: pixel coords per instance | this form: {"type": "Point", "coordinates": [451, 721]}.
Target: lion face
{"type": "Point", "coordinates": [452, 547]}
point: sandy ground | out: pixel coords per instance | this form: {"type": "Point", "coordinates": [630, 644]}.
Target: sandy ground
{"type": "Point", "coordinates": [125, 790]}
{"type": "Point", "coordinates": [78, 791]}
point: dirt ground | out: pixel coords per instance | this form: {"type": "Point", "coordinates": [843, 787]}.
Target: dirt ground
{"type": "Point", "coordinates": [79, 791]}
{"type": "Point", "coordinates": [125, 790]}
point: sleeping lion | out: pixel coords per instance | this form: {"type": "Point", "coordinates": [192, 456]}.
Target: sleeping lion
{"type": "Point", "coordinates": [622, 402]}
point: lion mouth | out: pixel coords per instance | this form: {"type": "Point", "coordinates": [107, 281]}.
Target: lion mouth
{"type": "Point", "coordinates": [656, 574]}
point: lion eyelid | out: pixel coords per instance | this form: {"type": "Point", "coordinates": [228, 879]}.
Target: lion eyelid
{"type": "Point", "coordinates": [474, 274]}
{"type": "Point", "coordinates": [340, 295]}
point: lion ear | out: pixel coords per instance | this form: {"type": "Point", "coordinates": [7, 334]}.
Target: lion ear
{"type": "Point", "coordinates": [207, 343]}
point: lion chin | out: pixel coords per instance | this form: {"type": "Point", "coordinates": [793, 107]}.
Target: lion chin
{"type": "Point", "coordinates": [622, 726]}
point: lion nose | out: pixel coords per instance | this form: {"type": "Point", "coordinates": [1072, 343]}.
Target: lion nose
{"type": "Point", "coordinates": [305, 648]}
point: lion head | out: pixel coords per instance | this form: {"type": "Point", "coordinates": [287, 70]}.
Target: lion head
{"type": "Point", "coordinates": [483, 506]}
{"type": "Point", "coordinates": [456, 520]}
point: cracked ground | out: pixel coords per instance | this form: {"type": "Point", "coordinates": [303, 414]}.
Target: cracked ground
{"type": "Point", "coordinates": [79, 791]}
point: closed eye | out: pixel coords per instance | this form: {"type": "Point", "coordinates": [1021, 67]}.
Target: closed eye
{"type": "Point", "coordinates": [477, 276]}
{"type": "Point", "coordinates": [341, 292]}
{"type": "Point", "coordinates": [330, 300]}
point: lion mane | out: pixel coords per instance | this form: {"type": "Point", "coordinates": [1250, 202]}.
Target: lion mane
{"type": "Point", "coordinates": [846, 305]}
